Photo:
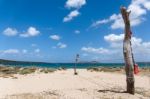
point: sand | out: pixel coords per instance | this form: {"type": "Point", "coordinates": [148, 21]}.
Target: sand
{"type": "Point", "coordinates": [64, 85]}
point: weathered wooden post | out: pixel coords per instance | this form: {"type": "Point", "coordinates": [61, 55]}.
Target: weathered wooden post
{"type": "Point", "coordinates": [77, 58]}
{"type": "Point", "coordinates": [127, 51]}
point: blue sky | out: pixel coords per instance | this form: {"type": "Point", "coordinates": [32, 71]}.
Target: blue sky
{"type": "Point", "coordinates": [56, 30]}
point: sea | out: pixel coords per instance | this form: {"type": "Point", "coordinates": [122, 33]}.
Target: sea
{"type": "Point", "coordinates": [72, 65]}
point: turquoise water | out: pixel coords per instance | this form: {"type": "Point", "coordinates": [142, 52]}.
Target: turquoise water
{"type": "Point", "coordinates": [71, 65]}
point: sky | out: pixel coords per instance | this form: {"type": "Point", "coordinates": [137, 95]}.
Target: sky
{"type": "Point", "coordinates": [57, 30]}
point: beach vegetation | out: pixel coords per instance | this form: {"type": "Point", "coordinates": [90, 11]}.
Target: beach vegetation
{"type": "Point", "coordinates": [47, 70]}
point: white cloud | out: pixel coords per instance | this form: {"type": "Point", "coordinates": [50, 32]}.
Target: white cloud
{"type": "Point", "coordinates": [37, 50]}
{"type": "Point", "coordinates": [10, 32]}
{"type": "Point", "coordinates": [31, 32]}
{"type": "Point", "coordinates": [99, 22]}
{"type": "Point", "coordinates": [75, 3]}
{"type": "Point", "coordinates": [147, 5]}
{"type": "Point", "coordinates": [77, 32]}
{"type": "Point", "coordinates": [61, 45]}
{"type": "Point", "coordinates": [11, 51]}
{"type": "Point", "coordinates": [33, 45]}
{"type": "Point", "coordinates": [24, 51]}
{"type": "Point", "coordinates": [117, 21]}
{"type": "Point", "coordinates": [141, 49]}
{"type": "Point", "coordinates": [114, 37]}
{"type": "Point", "coordinates": [71, 15]}
{"type": "Point", "coordinates": [114, 40]}
{"type": "Point", "coordinates": [139, 46]}
{"type": "Point", "coordinates": [95, 50]}
{"type": "Point", "coordinates": [138, 9]}
{"type": "Point", "coordinates": [55, 37]}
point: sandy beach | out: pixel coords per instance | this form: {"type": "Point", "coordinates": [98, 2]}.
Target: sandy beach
{"type": "Point", "coordinates": [62, 84]}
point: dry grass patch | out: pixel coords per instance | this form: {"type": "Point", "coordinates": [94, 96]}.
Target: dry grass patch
{"type": "Point", "coordinates": [106, 69]}
{"type": "Point", "coordinates": [47, 70]}
{"type": "Point", "coordinates": [7, 71]}
{"type": "Point", "coordinates": [42, 95]}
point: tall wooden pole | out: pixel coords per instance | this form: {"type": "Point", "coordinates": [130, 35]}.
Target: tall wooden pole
{"type": "Point", "coordinates": [127, 51]}
{"type": "Point", "coordinates": [77, 59]}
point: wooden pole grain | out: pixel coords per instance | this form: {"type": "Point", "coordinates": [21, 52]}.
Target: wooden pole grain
{"type": "Point", "coordinates": [127, 52]}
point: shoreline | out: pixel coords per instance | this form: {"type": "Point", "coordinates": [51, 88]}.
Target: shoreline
{"type": "Point", "coordinates": [69, 65]}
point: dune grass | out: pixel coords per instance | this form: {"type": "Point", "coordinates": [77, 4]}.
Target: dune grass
{"type": "Point", "coordinates": [106, 69]}
{"type": "Point", "coordinates": [34, 96]}
{"type": "Point", "coordinates": [7, 71]}
{"type": "Point", "coordinates": [24, 71]}
{"type": "Point", "coordinates": [142, 71]}
{"type": "Point", "coordinates": [47, 70]}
